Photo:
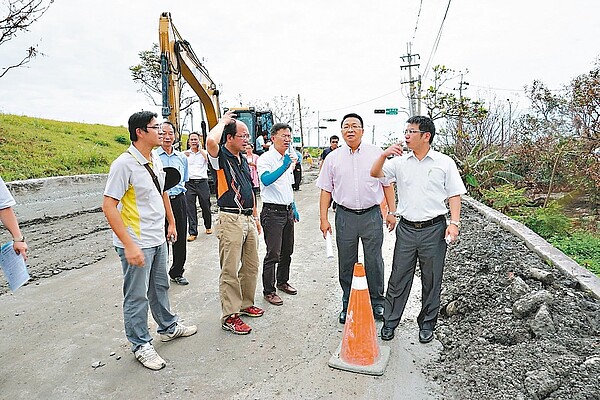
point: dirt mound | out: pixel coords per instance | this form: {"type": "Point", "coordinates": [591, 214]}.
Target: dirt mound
{"type": "Point", "coordinates": [509, 330]}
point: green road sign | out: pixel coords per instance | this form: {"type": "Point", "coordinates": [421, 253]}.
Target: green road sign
{"type": "Point", "coordinates": [391, 111]}
{"type": "Point", "coordinates": [296, 139]}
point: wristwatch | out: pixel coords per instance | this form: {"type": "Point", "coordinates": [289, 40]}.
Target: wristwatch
{"type": "Point", "coordinates": [457, 223]}
{"type": "Point", "coordinates": [19, 239]}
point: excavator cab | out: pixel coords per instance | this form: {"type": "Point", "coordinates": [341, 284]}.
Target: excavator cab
{"type": "Point", "coordinates": [256, 121]}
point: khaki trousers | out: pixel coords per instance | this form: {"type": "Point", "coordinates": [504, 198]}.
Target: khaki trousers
{"type": "Point", "coordinates": [238, 243]}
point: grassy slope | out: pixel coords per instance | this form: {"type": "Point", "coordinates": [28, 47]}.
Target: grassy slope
{"type": "Point", "coordinates": [39, 148]}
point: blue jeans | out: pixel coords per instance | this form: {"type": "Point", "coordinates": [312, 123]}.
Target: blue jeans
{"type": "Point", "coordinates": [142, 287]}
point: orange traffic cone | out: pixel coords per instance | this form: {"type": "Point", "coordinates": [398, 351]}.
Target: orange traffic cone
{"type": "Point", "coordinates": [359, 351]}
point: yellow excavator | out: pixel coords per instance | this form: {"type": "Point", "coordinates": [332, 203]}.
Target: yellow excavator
{"type": "Point", "coordinates": [179, 63]}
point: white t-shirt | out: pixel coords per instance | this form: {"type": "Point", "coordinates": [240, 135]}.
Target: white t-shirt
{"type": "Point", "coordinates": [423, 186]}
{"type": "Point", "coordinates": [280, 191]}
{"type": "Point", "coordinates": [197, 164]}
{"type": "Point", "coordinates": [140, 203]}
{"type": "Point", "coordinates": [6, 199]}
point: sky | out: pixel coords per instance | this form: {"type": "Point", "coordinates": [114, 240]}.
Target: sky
{"type": "Point", "coordinates": [339, 56]}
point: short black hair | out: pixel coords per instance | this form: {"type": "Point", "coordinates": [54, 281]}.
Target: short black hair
{"type": "Point", "coordinates": [332, 137]}
{"type": "Point", "coordinates": [352, 115]}
{"type": "Point", "coordinates": [139, 119]}
{"type": "Point", "coordinates": [279, 126]}
{"type": "Point", "coordinates": [229, 130]}
{"type": "Point", "coordinates": [425, 124]}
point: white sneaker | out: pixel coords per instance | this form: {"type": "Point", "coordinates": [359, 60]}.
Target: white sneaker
{"type": "Point", "coordinates": [149, 357]}
{"type": "Point", "coordinates": [180, 331]}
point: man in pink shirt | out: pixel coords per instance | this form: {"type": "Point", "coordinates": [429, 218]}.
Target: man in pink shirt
{"type": "Point", "coordinates": [345, 177]}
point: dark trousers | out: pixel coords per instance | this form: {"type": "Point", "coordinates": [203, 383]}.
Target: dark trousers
{"type": "Point", "coordinates": [198, 189]}
{"type": "Point", "coordinates": [180, 246]}
{"type": "Point", "coordinates": [278, 229]}
{"type": "Point", "coordinates": [429, 247]}
{"type": "Point", "coordinates": [367, 227]}
{"type": "Point", "coordinates": [297, 176]}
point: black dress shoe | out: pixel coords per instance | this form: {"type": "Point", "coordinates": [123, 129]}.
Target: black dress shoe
{"type": "Point", "coordinates": [378, 312]}
{"type": "Point", "coordinates": [342, 318]}
{"type": "Point", "coordinates": [387, 333]}
{"type": "Point", "coordinates": [425, 335]}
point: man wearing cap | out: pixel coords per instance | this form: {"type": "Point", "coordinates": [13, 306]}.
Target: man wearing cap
{"type": "Point", "coordinates": [238, 227]}
{"type": "Point", "coordinates": [175, 159]}
{"type": "Point", "coordinates": [345, 178]}
{"type": "Point", "coordinates": [426, 179]}
{"type": "Point", "coordinates": [279, 213]}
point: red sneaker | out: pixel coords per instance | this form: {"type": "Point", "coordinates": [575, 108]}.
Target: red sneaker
{"type": "Point", "coordinates": [235, 324]}
{"type": "Point", "coordinates": [252, 311]}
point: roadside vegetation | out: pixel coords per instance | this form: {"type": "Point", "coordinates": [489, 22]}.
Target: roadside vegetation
{"type": "Point", "coordinates": [40, 148]}
{"type": "Point", "coordinates": [540, 166]}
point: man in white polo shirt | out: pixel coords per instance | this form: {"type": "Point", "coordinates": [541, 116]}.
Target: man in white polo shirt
{"type": "Point", "coordinates": [135, 205]}
{"type": "Point", "coordinates": [275, 170]}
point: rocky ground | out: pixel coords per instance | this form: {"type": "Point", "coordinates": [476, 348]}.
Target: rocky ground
{"type": "Point", "coordinates": [507, 329]}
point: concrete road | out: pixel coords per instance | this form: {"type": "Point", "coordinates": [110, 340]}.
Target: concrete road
{"type": "Point", "coordinates": [54, 334]}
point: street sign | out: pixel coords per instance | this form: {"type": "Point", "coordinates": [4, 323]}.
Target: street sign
{"type": "Point", "coordinates": [391, 111]}
{"type": "Point", "coordinates": [379, 111]}
{"type": "Point", "coordinates": [296, 139]}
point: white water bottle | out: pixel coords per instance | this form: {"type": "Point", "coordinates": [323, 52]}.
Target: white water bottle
{"type": "Point", "coordinates": [329, 246]}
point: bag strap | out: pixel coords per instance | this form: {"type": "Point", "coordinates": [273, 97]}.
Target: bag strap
{"type": "Point", "coordinates": [152, 174]}
{"type": "Point", "coordinates": [154, 177]}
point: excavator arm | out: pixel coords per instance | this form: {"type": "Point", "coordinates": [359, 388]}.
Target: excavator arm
{"type": "Point", "coordinates": [178, 61]}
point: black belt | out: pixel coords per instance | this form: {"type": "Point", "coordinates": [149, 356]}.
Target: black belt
{"type": "Point", "coordinates": [243, 211]}
{"type": "Point", "coordinates": [278, 207]}
{"type": "Point", "coordinates": [423, 224]}
{"type": "Point", "coordinates": [358, 212]}
{"type": "Point", "coordinates": [197, 180]}
{"type": "Point", "coordinates": [173, 197]}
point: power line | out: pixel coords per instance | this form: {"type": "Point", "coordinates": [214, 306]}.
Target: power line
{"type": "Point", "coordinates": [436, 42]}
{"type": "Point", "coordinates": [417, 23]}
{"type": "Point", "coordinates": [365, 102]}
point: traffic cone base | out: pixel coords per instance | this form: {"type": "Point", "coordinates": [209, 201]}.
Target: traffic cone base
{"type": "Point", "coordinates": [377, 368]}
{"type": "Point", "coordinates": [359, 351]}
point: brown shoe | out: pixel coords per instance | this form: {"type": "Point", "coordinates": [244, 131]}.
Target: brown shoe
{"type": "Point", "coordinates": [274, 299]}
{"type": "Point", "coordinates": [209, 231]}
{"type": "Point", "coordinates": [191, 238]}
{"type": "Point", "coordinates": [287, 288]}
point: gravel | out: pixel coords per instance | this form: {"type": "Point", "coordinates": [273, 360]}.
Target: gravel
{"type": "Point", "coordinates": [507, 335]}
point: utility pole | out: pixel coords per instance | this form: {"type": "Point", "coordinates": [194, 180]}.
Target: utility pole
{"type": "Point", "coordinates": [411, 60]}
{"type": "Point", "coordinates": [300, 118]}
{"type": "Point", "coordinates": [459, 134]}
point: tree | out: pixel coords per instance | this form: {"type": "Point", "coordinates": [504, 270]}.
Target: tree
{"type": "Point", "coordinates": [147, 74]}
{"type": "Point", "coordinates": [19, 15]}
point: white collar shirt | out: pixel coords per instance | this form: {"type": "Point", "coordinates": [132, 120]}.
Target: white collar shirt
{"type": "Point", "coordinates": [424, 185]}
{"type": "Point", "coordinates": [280, 191]}
{"type": "Point", "coordinates": [347, 176]}
{"type": "Point", "coordinates": [198, 165]}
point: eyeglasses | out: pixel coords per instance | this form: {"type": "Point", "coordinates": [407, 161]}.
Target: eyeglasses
{"type": "Point", "coordinates": [157, 127]}
{"type": "Point", "coordinates": [410, 132]}
{"type": "Point", "coordinates": [334, 142]}
{"type": "Point", "coordinates": [284, 136]}
{"type": "Point", "coordinates": [353, 127]}
{"type": "Point", "coordinates": [243, 136]}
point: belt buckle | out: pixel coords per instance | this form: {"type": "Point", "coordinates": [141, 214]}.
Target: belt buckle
{"type": "Point", "coordinates": [418, 225]}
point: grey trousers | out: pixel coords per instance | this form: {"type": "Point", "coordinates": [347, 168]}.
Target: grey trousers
{"type": "Point", "coordinates": [350, 228]}
{"type": "Point", "coordinates": [146, 287]}
{"type": "Point", "coordinates": [429, 247]}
